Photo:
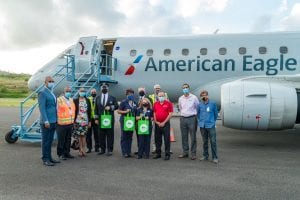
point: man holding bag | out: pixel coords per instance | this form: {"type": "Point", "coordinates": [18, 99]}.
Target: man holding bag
{"type": "Point", "coordinates": [104, 111]}
{"type": "Point", "coordinates": [127, 111]}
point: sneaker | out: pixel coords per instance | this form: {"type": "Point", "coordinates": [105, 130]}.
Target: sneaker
{"type": "Point", "coordinates": [54, 161]}
{"type": "Point", "coordinates": [48, 163]}
{"type": "Point", "coordinates": [203, 159]}
{"type": "Point", "coordinates": [183, 156]}
{"type": "Point", "coordinates": [215, 161]}
{"type": "Point", "coordinates": [193, 157]}
{"type": "Point", "coordinates": [62, 158]}
{"type": "Point", "coordinates": [69, 156]}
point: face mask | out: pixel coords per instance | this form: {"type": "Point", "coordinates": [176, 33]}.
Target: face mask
{"type": "Point", "coordinates": [141, 93]}
{"type": "Point", "coordinates": [94, 95]}
{"type": "Point", "coordinates": [82, 94]}
{"type": "Point", "coordinates": [130, 97]}
{"type": "Point", "coordinates": [203, 98]}
{"type": "Point", "coordinates": [50, 85]}
{"type": "Point", "coordinates": [185, 90]}
{"type": "Point", "coordinates": [161, 99]}
{"type": "Point", "coordinates": [145, 104]}
{"type": "Point", "coordinates": [67, 94]}
{"type": "Point", "coordinates": [104, 91]}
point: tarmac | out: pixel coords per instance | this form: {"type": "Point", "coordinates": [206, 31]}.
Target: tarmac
{"type": "Point", "coordinates": [253, 165]}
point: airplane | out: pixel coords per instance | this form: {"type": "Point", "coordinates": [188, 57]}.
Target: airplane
{"type": "Point", "coordinates": [254, 78]}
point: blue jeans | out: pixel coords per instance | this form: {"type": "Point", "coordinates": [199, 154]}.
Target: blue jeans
{"type": "Point", "coordinates": [47, 139]}
{"type": "Point", "coordinates": [209, 133]}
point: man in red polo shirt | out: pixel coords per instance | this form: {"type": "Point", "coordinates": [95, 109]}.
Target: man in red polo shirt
{"type": "Point", "coordinates": [163, 110]}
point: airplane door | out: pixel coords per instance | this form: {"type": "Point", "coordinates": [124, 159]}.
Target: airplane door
{"type": "Point", "coordinates": [84, 55]}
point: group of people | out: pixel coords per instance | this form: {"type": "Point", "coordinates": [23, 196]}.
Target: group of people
{"type": "Point", "coordinates": [94, 116]}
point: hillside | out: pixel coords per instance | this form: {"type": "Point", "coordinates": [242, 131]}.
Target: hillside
{"type": "Point", "coordinates": [13, 85]}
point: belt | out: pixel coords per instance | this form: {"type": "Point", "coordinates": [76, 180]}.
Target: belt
{"type": "Point", "coordinates": [189, 116]}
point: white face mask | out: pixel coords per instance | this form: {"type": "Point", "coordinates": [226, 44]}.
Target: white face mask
{"type": "Point", "coordinates": [50, 86]}
{"type": "Point", "coordinates": [161, 99]}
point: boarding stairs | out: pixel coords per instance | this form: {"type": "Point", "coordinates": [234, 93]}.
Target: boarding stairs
{"type": "Point", "coordinates": [29, 128]}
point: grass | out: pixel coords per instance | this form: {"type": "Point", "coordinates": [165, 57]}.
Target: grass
{"type": "Point", "coordinates": [15, 102]}
{"type": "Point", "coordinates": [13, 85]}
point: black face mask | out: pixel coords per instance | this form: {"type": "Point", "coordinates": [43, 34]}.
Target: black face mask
{"type": "Point", "coordinates": [104, 90]}
{"type": "Point", "coordinates": [203, 98]}
{"type": "Point", "coordinates": [142, 93]}
{"type": "Point", "coordinates": [94, 95]}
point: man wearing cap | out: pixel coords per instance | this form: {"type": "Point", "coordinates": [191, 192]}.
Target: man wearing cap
{"type": "Point", "coordinates": [93, 130]}
{"type": "Point", "coordinates": [108, 103]}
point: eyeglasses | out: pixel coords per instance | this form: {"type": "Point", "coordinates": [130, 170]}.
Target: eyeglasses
{"type": "Point", "coordinates": [50, 81]}
{"type": "Point", "coordinates": [185, 87]}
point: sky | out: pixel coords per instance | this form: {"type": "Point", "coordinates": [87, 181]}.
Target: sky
{"type": "Point", "coordinates": [32, 32]}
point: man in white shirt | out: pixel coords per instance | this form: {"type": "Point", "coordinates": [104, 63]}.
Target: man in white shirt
{"type": "Point", "coordinates": [188, 104]}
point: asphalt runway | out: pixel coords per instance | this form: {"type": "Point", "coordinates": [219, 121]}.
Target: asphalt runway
{"type": "Point", "coordinates": [253, 165]}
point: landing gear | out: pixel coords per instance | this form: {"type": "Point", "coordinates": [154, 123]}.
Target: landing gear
{"type": "Point", "coordinates": [8, 137]}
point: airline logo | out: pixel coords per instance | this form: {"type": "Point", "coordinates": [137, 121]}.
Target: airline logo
{"type": "Point", "coordinates": [131, 68]}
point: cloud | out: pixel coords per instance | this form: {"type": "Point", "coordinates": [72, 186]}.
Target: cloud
{"type": "Point", "coordinates": [291, 22]}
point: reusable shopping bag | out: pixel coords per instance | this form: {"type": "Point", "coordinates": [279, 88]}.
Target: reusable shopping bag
{"type": "Point", "coordinates": [129, 121]}
{"type": "Point", "coordinates": [143, 127]}
{"type": "Point", "coordinates": [106, 120]}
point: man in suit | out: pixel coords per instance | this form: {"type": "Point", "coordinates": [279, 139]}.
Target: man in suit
{"type": "Point", "coordinates": [108, 103]}
{"type": "Point", "coordinates": [48, 119]}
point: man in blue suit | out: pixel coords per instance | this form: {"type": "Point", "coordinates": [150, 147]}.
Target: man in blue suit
{"type": "Point", "coordinates": [48, 118]}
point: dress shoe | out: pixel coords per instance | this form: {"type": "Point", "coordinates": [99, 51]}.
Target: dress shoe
{"type": "Point", "coordinates": [167, 157]}
{"type": "Point", "coordinates": [136, 153]}
{"type": "Point", "coordinates": [109, 153]}
{"type": "Point", "coordinates": [62, 158]}
{"type": "Point", "coordinates": [156, 156]}
{"type": "Point", "coordinates": [101, 152]}
{"type": "Point", "coordinates": [183, 156]}
{"type": "Point", "coordinates": [69, 156]}
{"type": "Point", "coordinates": [139, 157]}
{"type": "Point", "coordinates": [89, 151]}
{"type": "Point", "coordinates": [54, 161]}
{"type": "Point", "coordinates": [96, 150]}
{"type": "Point", "coordinates": [48, 163]}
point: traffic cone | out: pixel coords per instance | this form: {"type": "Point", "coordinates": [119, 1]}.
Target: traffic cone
{"type": "Point", "coordinates": [172, 135]}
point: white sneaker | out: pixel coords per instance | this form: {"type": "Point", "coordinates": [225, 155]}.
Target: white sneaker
{"type": "Point", "coordinates": [203, 159]}
{"type": "Point", "coordinates": [215, 161]}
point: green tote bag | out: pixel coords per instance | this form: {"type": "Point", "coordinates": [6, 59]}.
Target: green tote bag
{"type": "Point", "coordinates": [129, 121]}
{"type": "Point", "coordinates": [105, 120]}
{"type": "Point", "coordinates": [143, 127]}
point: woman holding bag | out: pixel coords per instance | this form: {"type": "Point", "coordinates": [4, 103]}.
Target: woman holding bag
{"type": "Point", "coordinates": [144, 116]}
{"type": "Point", "coordinates": [127, 111]}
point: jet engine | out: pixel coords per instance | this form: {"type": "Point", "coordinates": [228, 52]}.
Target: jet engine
{"type": "Point", "coordinates": [258, 105]}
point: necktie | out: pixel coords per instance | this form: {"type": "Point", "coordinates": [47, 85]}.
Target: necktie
{"type": "Point", "coordinates": [103, 103]}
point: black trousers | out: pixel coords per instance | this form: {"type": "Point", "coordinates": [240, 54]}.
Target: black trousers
{"type": "Point", "coordinates": [159, 133]}
{"type": "Point", "coordinates": [64, 133]}
{"type": "Point", "coordinates": [91, 131]}
{"type": "Point", "coordinates": [106, 137]}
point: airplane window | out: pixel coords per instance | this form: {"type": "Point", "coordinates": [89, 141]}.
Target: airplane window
{"type": "Point", "coordinates": [167, 52]}
{"type": "Point", "coordinates": [132, 53]}
{"type": "Point", "coordinates": [203, 51]}
{"type": "Point", "coordinates": [283, 50]}
{"type": "Point", "coordinates": [242, 50]}
{"type": "Point", "coordinates": [185, 52]}
{"type": "Point", "coordinates": [222, 51]}
{"type": "Point", "coordinates": [262, 50]}
{"type": "Point", "coordinates": [149, 52]}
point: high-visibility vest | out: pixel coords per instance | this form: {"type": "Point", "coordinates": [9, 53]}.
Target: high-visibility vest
{"type": "Point", "coordinates": [65, 111]}
{"type": "Point", "coordinates": [93, 105]}
{"type": "Point", "coordinates": [153, 99]}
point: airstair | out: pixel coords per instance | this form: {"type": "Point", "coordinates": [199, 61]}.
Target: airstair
{"type": "Point", "coordinates": [94, 75]}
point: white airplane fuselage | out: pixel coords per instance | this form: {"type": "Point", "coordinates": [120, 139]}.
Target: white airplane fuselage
{"type": "Point", "coordinates": [204, 62]}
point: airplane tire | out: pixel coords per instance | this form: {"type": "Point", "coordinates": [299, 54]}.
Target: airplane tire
{"type": "Point", "coordinates": [9, 139]}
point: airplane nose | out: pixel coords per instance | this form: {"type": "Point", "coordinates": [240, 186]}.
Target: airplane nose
{"type": "Point", "coordinates": [32, 83]}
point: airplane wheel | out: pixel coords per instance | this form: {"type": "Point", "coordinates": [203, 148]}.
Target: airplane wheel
{"type": "Point", "coordinates": [8, 137]}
